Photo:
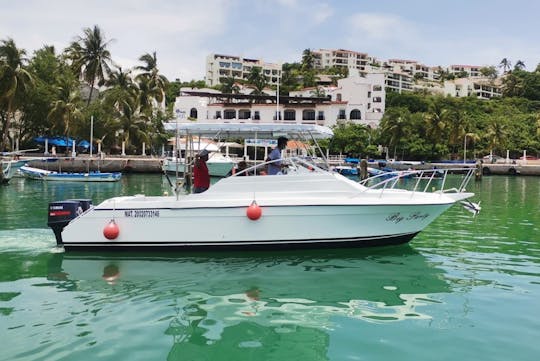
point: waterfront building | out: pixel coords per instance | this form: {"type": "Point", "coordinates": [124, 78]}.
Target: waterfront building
{"type": "Point", "coordinates": [357, 99]}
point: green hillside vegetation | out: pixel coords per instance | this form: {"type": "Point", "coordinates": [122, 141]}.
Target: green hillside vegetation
{"type": "Point", "coordinates": [56, 93]}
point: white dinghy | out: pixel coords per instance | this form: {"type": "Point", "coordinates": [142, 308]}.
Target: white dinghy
{"type": "Point", "coordinates": [308, 207]}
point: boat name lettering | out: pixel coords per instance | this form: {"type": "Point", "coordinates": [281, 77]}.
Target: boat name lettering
{"type": "Point", "coordinates": [398, 217]}
{"type": "Point", "coordinates": [147, 213]}
{"type": "Point", "coordinates": [417, 215]}
{"type": "Point", "coordinates": [395, 217]}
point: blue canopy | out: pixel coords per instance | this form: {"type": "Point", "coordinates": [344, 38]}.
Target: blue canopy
{"type": "Point", "coordinates": [61, 142]}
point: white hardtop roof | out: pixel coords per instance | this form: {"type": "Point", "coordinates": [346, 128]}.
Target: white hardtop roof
{"type": "Point", "coordinates": [252, 130]}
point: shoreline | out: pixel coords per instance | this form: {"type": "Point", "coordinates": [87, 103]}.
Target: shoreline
{"type": "Point", "coordinates": [152, 164]}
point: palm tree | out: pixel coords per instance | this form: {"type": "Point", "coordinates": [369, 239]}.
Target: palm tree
{"type": "Point", "coordinates": [150, 80]}
{"type": "Point", "coordinates": [456, 128]}
{"type": "Point", "coordinates": [520, 65]}
{"type": "Point", "coordinates": [308, 60]}
{"type": "Point", "coordinates": [436, 121]}
{"type": "Point", "coordinates": [505, 65]}
{"type": "Point", "coordinates": [497, 134]}
{"type": "Point", "coordinates": [66, 110]}
{"type": "Point", "coordinates": [90, 57]}
{"type": "Point", "coordinates": [258, 80]}
{"type": "Point", "coordinates": [15, 81]}
{"type": "Point", "coordinates": [513, 86]}
{"type": "Point", "coordinates": [394, 125]}
{"type": "Point", "coordinates": [229, 86]}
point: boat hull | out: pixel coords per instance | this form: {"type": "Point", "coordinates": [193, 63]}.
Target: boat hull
{"type": "Point", "coordinates": [42, 174]}
{"type": "Point", "coordinates": [226, 228]}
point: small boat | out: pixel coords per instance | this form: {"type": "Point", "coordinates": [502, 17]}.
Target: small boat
{"type": "Point", "coordinates": [305, 207]}
{"type": "Point", "coordinates": [8, 169]}
{"type": "Point", "coordinates": [47, 175]}
{"type": "Point", "coordinates": [219, 165]}
{"type": "Point", "coordinates": [346, 170]}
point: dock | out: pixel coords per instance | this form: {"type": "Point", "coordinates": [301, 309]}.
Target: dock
{"type": "Point", "coordinates": [152, 164]}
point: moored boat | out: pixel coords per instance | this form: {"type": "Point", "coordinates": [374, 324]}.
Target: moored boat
{"type": "Point", "coordinates": [307, 206]}
{"type": "Point", "coordinates": [8, 169]}
{"type": "Point", "coordinates": [47, 175]}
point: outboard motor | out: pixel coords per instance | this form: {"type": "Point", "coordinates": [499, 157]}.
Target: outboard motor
{"type": "Point", "coordinates": [62, 212]}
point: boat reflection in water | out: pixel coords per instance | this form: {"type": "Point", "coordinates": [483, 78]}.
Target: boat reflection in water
{"type": "Point", "coordinates": [214, 303]}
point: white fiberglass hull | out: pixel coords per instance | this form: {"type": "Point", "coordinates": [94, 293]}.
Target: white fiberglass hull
{"type": "Point", "coordinates": [301, 217]}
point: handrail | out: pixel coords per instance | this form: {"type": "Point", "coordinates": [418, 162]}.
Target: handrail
{"type": "Point", "coordinates": [389, 180]}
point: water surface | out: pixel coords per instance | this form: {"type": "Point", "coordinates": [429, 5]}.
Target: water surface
{"type": "Point", "coordinates": [465, 288]}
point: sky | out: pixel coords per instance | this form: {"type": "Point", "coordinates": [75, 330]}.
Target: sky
{"type": "Point", "coordinates": [183, 33]}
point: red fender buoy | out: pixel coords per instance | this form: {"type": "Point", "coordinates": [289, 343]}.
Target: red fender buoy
{"type": "Point", "coordinates": [254, 212]}
{"type": "Point", "coordinates": [111, 230]}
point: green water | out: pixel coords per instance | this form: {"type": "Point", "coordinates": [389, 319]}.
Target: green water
{"type": "Point", "coordinates": [464, 289]}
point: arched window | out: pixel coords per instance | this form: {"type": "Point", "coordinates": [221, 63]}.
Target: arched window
{"type": "Point", "coordinates": [290, 114]}
{"type": "Point", "coordinates": [229, 114]}
{"type": "Point", "coordinates": [193, 113]}
{"type": "Point", "coordinates": [244, 114]}
{"type": "Point", "coordinates": [308, 114]}
{"type": "Point", "coordinates": [355, 114]}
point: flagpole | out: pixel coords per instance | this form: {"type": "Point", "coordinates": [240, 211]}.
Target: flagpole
{"type": "Point", "coordinates": [91, 133]}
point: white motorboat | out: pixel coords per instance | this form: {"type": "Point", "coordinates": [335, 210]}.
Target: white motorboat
{"type": "Point", "coordinates": [306, 207]}
{"type": "Point", "coordinates": [47, 175]}
{"type": "Point", "coordinates": [219, 165]}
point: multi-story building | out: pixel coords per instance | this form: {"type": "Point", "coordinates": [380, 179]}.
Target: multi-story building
{"type": "Point", "coordinates": [475, 86]}
{"type": "Point", "coordinates": [471, 70]}
{"type": "Point", "coordinates": [357, 99]}
{"type": "Point", "coordinates": [351, 60]}
{"type": "Point", "coordinates": [219, 67]}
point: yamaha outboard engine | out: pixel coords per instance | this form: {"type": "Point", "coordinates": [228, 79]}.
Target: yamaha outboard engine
{"type": "Point", "coordinates": [62, 212]}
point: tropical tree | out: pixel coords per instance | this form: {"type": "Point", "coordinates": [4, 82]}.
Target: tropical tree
{"type": "Point", "coordinates": [229, 86]}
{"type": "Point", "coordinates": [505, 64]}
{"type": "Point", "coordinates": [90, 57]}
{"type": "Point", "coordinates": [66, 111]}
{"type": "Point", "coordinates": [151, 81]}
{"type": "Point", "coordinates": [308, 60]}
{"type": "Point", "coordinates": [520, 65]}
{"type": "Point", "coordinates": [395, 127]}
{"type": "Point", "coordinates": [258, 80]}
{"type": "Point", "coordinates": [435, 122]}
{"type": "Point", "coordinates": [457, 128]}
{"type": "Point", "coordinates": [350, 138]}
{"type": "Point", "coordinates": [497, 134]}
{"type": "Point", "coordinates": [15, 81]}
{"type": "Point", "coordinates": [489, 72]}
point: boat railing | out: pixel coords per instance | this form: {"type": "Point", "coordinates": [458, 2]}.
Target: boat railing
{"type": "Point", "coordinates": [290, 165]}
{"type": "Point", "coordinates": [434, 180]}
